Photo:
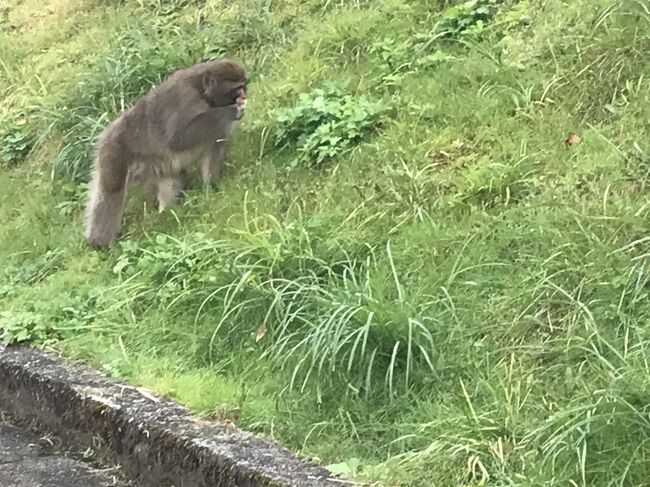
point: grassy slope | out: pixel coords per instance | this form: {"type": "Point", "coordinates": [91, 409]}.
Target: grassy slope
{"type": "Point", "coordinates": [463, 234]}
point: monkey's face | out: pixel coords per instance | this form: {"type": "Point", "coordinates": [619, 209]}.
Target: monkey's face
{"type": "Point", "coordinates": [239, 93]}
{"type": "Point", "coordinates": [219, 93]}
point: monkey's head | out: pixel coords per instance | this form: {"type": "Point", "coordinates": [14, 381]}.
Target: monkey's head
{"type": "Point", "coordinates": [224, 83]}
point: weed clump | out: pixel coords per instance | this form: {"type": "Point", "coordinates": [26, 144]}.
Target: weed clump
{"type": "Point", "coordinates": [325, 123]}
{"type": "Point", "coordinates": [16, 142]}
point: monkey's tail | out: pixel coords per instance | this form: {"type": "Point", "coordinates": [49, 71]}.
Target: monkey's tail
{"type": "Point", "coordinates": [105, 205]}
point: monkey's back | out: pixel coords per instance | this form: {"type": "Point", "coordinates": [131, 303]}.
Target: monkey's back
{"type": "Point", "coordinates": [141, 129]}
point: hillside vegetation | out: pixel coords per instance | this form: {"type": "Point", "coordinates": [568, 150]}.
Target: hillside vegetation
{"type": "Point", "coordinates": [427, 263]}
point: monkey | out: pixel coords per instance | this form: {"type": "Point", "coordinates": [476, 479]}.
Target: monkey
{"type": "Point", "coordinates": [189, 117]}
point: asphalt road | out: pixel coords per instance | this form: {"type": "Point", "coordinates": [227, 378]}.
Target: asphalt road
{"type": "Point", "coordinates": [27, 460]}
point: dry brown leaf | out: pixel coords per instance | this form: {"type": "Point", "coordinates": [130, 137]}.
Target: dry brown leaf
{"type": "Point", "coordinates": [147, 394]}
{"type": "Point", "coordinates": [572, 139]}
{"type": "Point", "coordinates": [261, 331]}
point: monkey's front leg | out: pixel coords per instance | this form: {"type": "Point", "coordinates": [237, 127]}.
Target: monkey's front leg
{"type": "Point", "coordinates": [212, 163]}
{"type": "Point", "coordinates": [203, 127]}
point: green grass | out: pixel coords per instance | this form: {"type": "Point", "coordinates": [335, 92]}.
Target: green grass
{"type": "Point", "coordinates": [418, 283]}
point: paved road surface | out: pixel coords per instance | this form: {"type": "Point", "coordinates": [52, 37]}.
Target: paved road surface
{"type": "Point", "coordinates": [28, 461]}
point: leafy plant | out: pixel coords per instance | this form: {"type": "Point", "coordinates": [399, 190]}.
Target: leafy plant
{"type": "Point", "coordinates": [18, 327]}
{"type": "Point", "coordinates": [325, 123]}
{"type": "Point", "coordinates": [396, 62]}
{"type": "Point", "coordinates": [471, 15]}
{"type": "Point", "coordinates": [44, 324]}
{"type": "Point", "coordinates": [165, 257]}
{"type": "Point", "coordinates": [15, 143]}
{"type": "Point", "coordinates": [35, 270]}
{"type": "Point", "coordinates": [468, 18]}
{"type": "Point", "coordinates": [72, 198]}
{"type": "Point", "coordinates": [392, 53]}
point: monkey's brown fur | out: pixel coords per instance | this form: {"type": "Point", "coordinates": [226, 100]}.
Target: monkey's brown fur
{"type": "Point", "coordinates": [188, 117]}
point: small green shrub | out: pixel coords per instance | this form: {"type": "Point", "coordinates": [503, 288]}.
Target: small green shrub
{"type": "Point", "coordinates": [393, 59]}
{"type": "Point", "coordinates": [73, 198]}
{"type": "Point", "coordinates": [33, 270]}
{"type": "Point", "coordinates": [325, 123]}
{"type": "Point", "coordinates": [44, 323]}
{"type": "Point", "coordinates": [465, 19]}
{"type": "Point", "coordinates": [19, 327]}
{"type": "Point", "coordinates": [395, 62]}
{"type": "Point", "coordinates": [15, 144]}
{"type": "Point", "coordinates": [470, 16]}
{"type": "Point", "coordinates": [392, 54]}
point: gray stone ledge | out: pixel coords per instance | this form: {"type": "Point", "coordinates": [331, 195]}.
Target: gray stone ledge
{"type": "Point", "coordinates": [155, 440]}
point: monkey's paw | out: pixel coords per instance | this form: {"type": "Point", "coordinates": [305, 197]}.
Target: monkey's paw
{"type": "Point", "coordinates": [239, 114]}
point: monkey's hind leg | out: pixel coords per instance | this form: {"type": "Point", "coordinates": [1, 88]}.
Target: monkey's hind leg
{"type": "Point", "coordinates": [169, 188]}
{"type": "Point", "coordinates": [106, 201]}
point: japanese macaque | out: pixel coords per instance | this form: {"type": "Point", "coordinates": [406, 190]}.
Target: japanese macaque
{"type": "Point", "coordinates": [188, 118]}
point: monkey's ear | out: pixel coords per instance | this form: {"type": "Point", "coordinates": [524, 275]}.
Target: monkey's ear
{"type": "Point", "coordinates": [209, 79]}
